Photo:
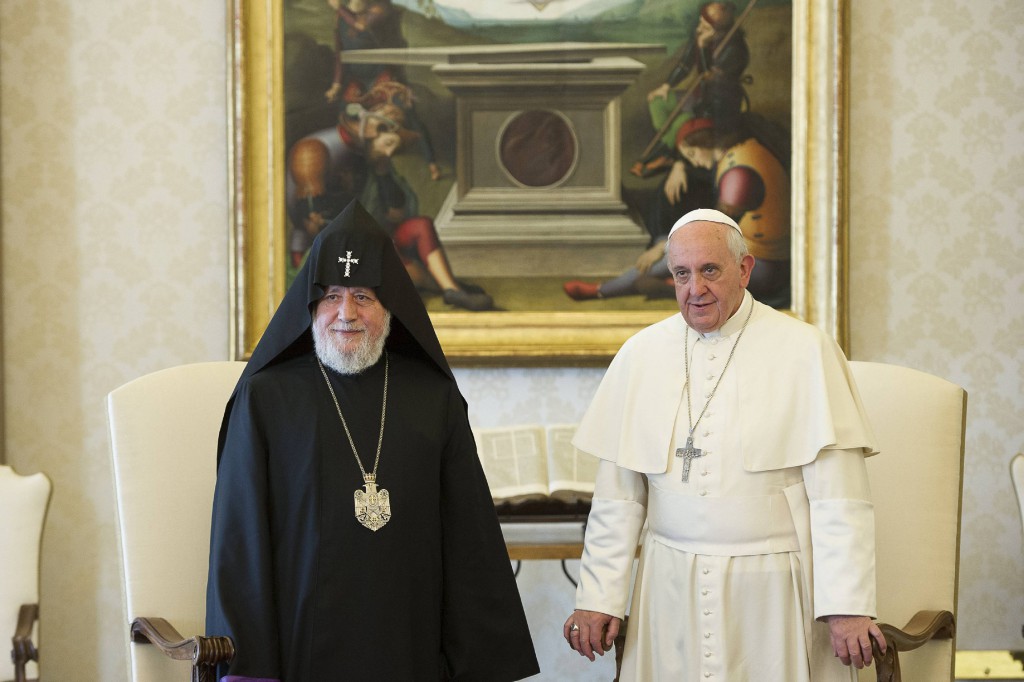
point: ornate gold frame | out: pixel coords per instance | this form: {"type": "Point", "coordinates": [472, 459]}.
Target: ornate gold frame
{"type": "Point", "coordinates": [819, 182]}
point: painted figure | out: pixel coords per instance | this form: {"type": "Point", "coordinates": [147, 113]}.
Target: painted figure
{"type": "Point", "coordinates": [367, 25]}
{"type": "Point", "coordinates": [713, 64]}
{"type": "Point", "coordinates": [353, 161]}
{"type": "Point", "coordinates": [749, 181]}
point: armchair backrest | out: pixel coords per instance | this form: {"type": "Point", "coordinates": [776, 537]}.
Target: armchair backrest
{"type": "Point", "coordinates": [163, 437]}
{"type": "Point", "coordinates": [916, 485]}
{"type": "Point", "coordinates": [23, 504]}
{"type": "Point", "coordinates": [1017, 476]}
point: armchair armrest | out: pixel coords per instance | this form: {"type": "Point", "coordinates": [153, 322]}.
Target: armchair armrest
{"type": "Point", "coordinates": [204, 652]}
{"type": "Point", "coordinates": [922, 628]}
{"type": "Point", "coordinates": [23, 648]}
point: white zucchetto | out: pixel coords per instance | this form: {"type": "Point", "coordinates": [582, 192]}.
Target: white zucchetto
{"type": "Point", "coordinates": [704, 215]}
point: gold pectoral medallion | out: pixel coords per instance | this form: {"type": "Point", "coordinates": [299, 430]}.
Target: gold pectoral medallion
{"type": "Point", "coordinates": [373, 506]}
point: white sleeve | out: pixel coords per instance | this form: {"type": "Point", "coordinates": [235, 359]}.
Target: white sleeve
{"type": "Point", "coordinates": [842, 533]}
{"type": "Point", "coordinates": [617, 514]}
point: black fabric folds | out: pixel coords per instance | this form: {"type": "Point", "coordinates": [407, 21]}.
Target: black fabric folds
{"type": "Point", "coordinates": [304, 591]}
{"type": "Point", "coordinates": [353, 235]}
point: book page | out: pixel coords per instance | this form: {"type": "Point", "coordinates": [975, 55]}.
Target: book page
{"type": "Point", "coordinates": [514, 460]}
{"type": "Point", "coordinates": [571, 473]}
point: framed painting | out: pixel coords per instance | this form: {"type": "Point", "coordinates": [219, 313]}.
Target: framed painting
{"type": "Point", "coordinates": [528, 155]}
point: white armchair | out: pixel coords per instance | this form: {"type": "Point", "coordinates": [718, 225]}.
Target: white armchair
{"type": "Point", "coordinates": [1017, 476]}
{"type": "Point", "coordinates": [163, 435]}
{"type": "Point", "coordinates": [916, 484]}
{"type": "Point", "coordinates": [24, 501]}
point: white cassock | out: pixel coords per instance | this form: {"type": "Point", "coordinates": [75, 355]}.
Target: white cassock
{"type": "Point", "coordinates": [727, 588]}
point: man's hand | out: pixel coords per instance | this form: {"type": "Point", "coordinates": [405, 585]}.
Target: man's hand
{"type": "Point", "coordinates": [675, 183]}
{"type": "Point", "coordinates": [660, 92]}
{"type": "Point", "coordinates": [650, 256]}
{"type": "Point", "coordinates": [590, 632]}
{"type": "Point", "coordinates": [851, 639]}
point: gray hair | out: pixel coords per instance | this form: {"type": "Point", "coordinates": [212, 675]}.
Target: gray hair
{"type": "Point", "coordinates": [351, 362]}
{"type": "Point", "coordinates": [737, 244]}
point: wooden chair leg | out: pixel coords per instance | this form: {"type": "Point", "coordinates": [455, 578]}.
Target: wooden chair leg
{"type": "Point", "coordinates": [620, 645]}
{"type": "Point", "coordinates": [23, 649]}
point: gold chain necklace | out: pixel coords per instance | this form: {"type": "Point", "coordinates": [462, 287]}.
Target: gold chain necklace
{"type": "Point", "coordinates": [373, 506]}
{"type": "Point", "coordinates": [689, 452]}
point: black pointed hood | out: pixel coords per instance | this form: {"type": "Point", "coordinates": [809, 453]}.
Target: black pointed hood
{"type": "Point", "coordinates": [354, 251]}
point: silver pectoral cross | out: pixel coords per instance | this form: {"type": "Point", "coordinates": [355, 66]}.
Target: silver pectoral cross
{"type": "Point", "coordinates": [688, 453]}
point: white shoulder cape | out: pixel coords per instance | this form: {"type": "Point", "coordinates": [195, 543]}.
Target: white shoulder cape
{"type": "Point", "coordinates": [798, 396]}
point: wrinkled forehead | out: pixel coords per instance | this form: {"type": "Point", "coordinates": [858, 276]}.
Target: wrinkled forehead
{"type": "Point", "coordinates": [700, 243]}
{"type": "Point", "coordinates": [339, 289]}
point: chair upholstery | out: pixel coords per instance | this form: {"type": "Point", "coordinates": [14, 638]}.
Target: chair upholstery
{"type": "Point", "coordinates": [916, 486]}
{"type": "Point", "coordinates": [1017, 476]}
{"type": "Point", "coordinates": [23, 504]}
{"type": "Point", "coordinates": [163, 436]}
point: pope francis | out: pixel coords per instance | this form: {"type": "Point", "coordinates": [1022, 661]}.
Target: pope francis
{"type": "Point", "coordinates": [732, 440]}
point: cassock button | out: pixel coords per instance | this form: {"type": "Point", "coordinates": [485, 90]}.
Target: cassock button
{"type": "Point", "coordinates": [707, 433]}
{"type": "Point", "coordinates": [707, 654]}
{"type": "Point", "coordinates": [703, 493]}
{"type": "Point", "coordinates": [707, 612]}
{"type": "Point", "coordinates": [711, 356]}
{"type": "Point", "coordinates": [711, 377]}
{"type": "Point", "coordinates": [704, 592]}
{"type": "Point", "coordinates": [707, 674]}
{"type": "Point", "coordinates": [704, 473]}
{"type": "Point", "coordinates": [707, 635]}
{"type": "Point", "coordinates": [706, 571]}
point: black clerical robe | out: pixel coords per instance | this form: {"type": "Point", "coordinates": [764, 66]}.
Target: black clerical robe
{"type": "Point", "coordinates": [304, 590]}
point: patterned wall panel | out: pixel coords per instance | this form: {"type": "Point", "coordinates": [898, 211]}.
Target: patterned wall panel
{"type": "Point", "coordinates": [937, 252]}
{"type": "Point", "coordinates": [114, 264]}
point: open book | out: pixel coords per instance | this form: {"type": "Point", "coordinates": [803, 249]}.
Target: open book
{"type": "Point", "coordinates": [533, 462]}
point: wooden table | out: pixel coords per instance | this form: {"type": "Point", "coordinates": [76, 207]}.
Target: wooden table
{"type": "Point", "coordinates": [523, 551]}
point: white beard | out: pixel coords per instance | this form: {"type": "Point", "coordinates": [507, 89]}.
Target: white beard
{"type": "Point", "coordinates": [351, 362]}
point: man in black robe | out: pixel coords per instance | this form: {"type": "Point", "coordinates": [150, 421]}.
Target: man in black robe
{"type": "Point", "coordinates": [354, 536]}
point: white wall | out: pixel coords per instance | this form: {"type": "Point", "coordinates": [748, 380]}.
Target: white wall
{"type": "Point", "coordinates": [113, 172]}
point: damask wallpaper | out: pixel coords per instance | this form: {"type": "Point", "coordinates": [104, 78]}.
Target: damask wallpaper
{"type": "Point", "coordinates": [113, 148]}
{"type": "Point", "coordinates": [937, 252]}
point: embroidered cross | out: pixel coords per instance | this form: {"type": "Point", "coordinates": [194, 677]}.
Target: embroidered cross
{"type": "Point", "coordinates": [348, 260]}
{"type": "Point", "coordinates": [689, 453]}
